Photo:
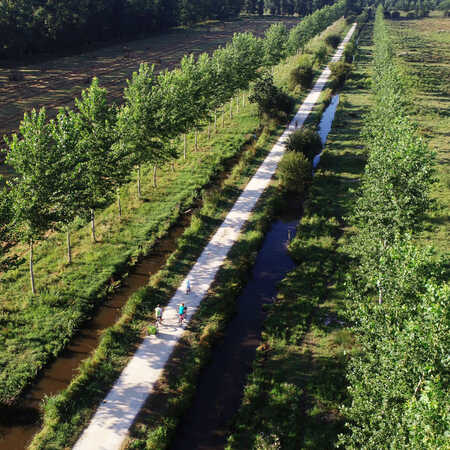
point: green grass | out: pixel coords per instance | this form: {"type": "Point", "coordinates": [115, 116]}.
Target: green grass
{"type": "Point", "coordinates": [424, 47]}
{"type": "Point", "coordinates": [65, 414]}
{"type": "Point", "coordinates": [33, 329]}
{"type": "Point", "coordinates": [293, 395]}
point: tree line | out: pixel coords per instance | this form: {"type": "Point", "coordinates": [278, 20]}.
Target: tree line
{"type": "Point", "coordinates": [72, 165]}
{"type": "Point", "coordinates": [34, 26]}
{"type": "Point", "coordinates": [398, 291]}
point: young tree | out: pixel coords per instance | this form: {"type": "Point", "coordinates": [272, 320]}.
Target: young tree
{"type": "Point", "coordinates": [32, 156]}
{"type": "Point", "coordinates": [274, 44]}
{"type": "Point", "coordinates": [98, 163]}
{"type": "Point", "coordinates": [136, 119]}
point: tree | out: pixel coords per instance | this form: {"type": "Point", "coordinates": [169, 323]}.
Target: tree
{"type": "Point", "coordinates": [33, 157]}
{"type": "Point", "coordinates": [98, 160]}
{"type": "Point", "coordinates": [274, 44]}
{"type": "Point", "coordinates": [136, 119]}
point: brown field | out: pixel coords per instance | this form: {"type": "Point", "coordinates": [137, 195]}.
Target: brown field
{"type": "Point", "coordinates": [55, 83]}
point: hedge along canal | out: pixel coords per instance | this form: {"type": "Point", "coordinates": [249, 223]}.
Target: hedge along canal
{"type": "Point", "coordinates": [110, 424]}
{"type": "Point", "coordinates": [221, 384]}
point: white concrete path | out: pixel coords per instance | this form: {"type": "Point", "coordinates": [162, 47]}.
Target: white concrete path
{"type": "Point", "coordinates": [109, 426]}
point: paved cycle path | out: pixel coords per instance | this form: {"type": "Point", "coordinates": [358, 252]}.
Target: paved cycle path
{"type": "Point", "coordinates": [109, 426]}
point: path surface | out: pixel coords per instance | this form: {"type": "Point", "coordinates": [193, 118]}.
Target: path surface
{"type": "Point", "coordinates": [109, 426]}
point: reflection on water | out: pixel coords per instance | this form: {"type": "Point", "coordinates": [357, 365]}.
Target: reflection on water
{"type": "Point", "coordinates": [325, 125]}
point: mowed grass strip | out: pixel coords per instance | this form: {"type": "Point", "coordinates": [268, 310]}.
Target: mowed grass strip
{"type": "Point", "coordinates": [293, 394]}
{"type": "Point", "coordinates": [423, 45]}
{"type": "Point", "coordinates": [66, 414]}
{"type": "Point", "coordinates": [33, 329]}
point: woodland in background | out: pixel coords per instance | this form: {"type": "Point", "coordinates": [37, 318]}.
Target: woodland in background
{"type": "Point", "coordinates": [34, 26]}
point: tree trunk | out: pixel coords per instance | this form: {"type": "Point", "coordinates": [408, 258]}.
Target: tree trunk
{"type": "Point", "coordinates": [93, 225]}
{"type": "Point", "coordinates": [237, 103]}
{"type": "Point", "coordinates": [154, 175]}
{"type": "Point", "coordinates": [215, 119]}
{"type": "Point", "coordinates": [33, 288]}
{"type": "Point", "coordinates": [69, 247]}
{"type": "Point", "coordinates": [231, 108]}
{"type": "Point", "coordinates": [243, 99]}
{"type": "Point", "coordinates": [196, 139]}
{"type": "Point", "coordinates": [185, 145]}
{"type": "Point", "coordinates": [119, 204]}
{"type": "Point", "coordinates": [209, 131]}
{"type": "Point", "coordinates": [223, 117]}
{"type": "Point", "coordinates": [139, 180]}
{"type": "Point", "coordinates": [173, 166]}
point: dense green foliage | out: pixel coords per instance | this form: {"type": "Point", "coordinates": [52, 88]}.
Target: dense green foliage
{"type": "Point", "coordinates": [306, 140]}
{"type": "Point", "coordinates": [97, 153]}
{"type": "Point", "coordinates": [398, 296]}
{"type": "Point", "coordinates": [303, 74]}
{"type": "Point", "coordinates": [32, 26]}
{"type": "Point", "coordinates": [294, 172]}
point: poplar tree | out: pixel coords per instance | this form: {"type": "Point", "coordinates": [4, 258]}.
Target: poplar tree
{"type": "Point", "coordinates": [98, 162]}
{"type": "Point", "coordinates": [33, 157]}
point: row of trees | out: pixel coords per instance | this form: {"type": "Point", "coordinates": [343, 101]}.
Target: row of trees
{"type": "Point", "coordinates": [398, 296]}
{"type": "Point", "coordinates": [70, 166]}
{"type": "Point", "coordinates": [32, 26]}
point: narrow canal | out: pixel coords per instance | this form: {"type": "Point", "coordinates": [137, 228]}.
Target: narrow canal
{"type": "Point", "coordinates": [220, 386]}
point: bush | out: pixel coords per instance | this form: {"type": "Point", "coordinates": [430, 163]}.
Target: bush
{"type": "Point", "coordinates": [306, 141]}
{"type": "Point", "coordinates": [339, 73]}
{"type": "Point", "coordinates": [411, 15]}
{"type": "Point", "coordinates": [303, 74]}
{"type": "Point", "coordinates": [333, 40]}
{"type": "Point", "coordinates": [395, 15]}
{"type": "Point", "coordinates": [294, 172]}
{"type": "Point", "coordinates": [387, 14]}
{"type": "Point", "coordinates": [271, 100]}
{"type": "Point", "coordinates": [321, 54]}
{"type": "Point", "coordinates": [349, 51]}
{"type": "Point", "coordinates": [350, 19]}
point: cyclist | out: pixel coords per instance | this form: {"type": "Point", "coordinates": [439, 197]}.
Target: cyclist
{"type": "Point", "coordinates": [158, 315]}
{"type": "Point", "coordinates": [181, 313]}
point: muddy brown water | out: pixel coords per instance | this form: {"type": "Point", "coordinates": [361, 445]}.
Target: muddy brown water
{"type": "Point", "coordinates": [20, 422]}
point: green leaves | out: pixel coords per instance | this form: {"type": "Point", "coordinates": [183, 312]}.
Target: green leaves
{"type": "Point", "coordinates": [397, 294]}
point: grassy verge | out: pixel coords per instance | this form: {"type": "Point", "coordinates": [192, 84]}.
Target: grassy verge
{"type": "Point", "coordinates": [292, 397]}
{"type": "Point", "coordinates": [66, 414]}
{"type": "Point", "coordinates": [35, 329]}
{"type": "Point", "coordinates": [423, 45]}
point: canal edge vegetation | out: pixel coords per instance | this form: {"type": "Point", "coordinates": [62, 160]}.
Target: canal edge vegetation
{"type": "Point", "coordinates": [297, 383]}
{"type": "Point", "coordinates": [63, 416]}
{"type": "Point", "coordinates": [67, 298]}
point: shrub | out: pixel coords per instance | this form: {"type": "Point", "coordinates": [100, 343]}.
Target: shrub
{"type": "Point", "coordinates": [395, 15]}
{"type": "Point", "coordinates": [349, 51]}
{"type": "Point", "coordinates": [411, 15]}
{"type": "Point", "coordinates": [306, 141]}
{"type": "Point", "coordinates": [294, 172]}
{"type": "Point", "coordinates": [321, 54]}
{"type": "Point", "coordinates": [303, 74]}
{"type": "Point", "coordinates": [350, 19]}
{"type": "Point", "coordinates": [387, 14]}
{"type": "Point", "coordinates": [272, 101]}
{"type": "Point", "coordinates": [339, 73]}
{"type": "Point", "coordinates": [333, 40]}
